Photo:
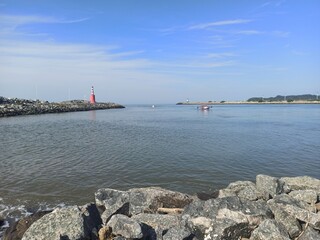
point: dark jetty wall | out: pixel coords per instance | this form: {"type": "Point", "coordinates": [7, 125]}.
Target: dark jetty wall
{"type": "Point", "coordinates": [15, 106]}
{"type": "Point", "coordinates": [271, 208]}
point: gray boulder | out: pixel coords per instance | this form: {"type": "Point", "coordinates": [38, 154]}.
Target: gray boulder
{"type": "Point", "coordinates": [268, 187]}
{"type": "Point", "coordinates": [228, 229]}
{"type": "Point", "coordinates": [242, 189]}
{"type": "Point", "coordinates": [151, 198]}
{"type": "Point", "coordinates": [154, 225]}
{"type": "Point", "coordinates": [108, 197]}
{"type": "Point", "coordinates": [308, 196]}
{"type": "Point", "coordinates": [269, 230]}
{"type": "Point", "coordinates": [155, 221]}
{"type": "Point", "coordinates": [66, 223]}
{"type": "Point", "coordinates": [290, 223]}
{"type": "Point", "coordinates": [228, 217]}
{"type": "Point", "coordinates": [253, 212]}
{"type": "Point", "coordinates": [289, 200]}
{"type": "Point", "coordinates": [289, 212]}
{"type": "Point", "coordinates": [138, 200]}
{"type": "Point", "coordinates": [113, 202]}
{"type": "Point", "coordinates": [302, 183]}
{"type": "Point", "coordinates": [124, 226]}
{"type": "Point", "coordinates": [303, 215]}
{"type": "Point", "coordinates": [309, 234]}
{"type": "Point", "coordinates": [17, 230]}
{"type": "Point", "coordinates": [178, 233]}
{"type": "Point", "coordinates": [198, 225]}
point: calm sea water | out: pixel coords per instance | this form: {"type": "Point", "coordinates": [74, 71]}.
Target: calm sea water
{"type": "Point", "coordinates": [65, 158]}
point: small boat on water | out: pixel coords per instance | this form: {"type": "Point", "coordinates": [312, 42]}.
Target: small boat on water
{"type": "Point", "coordinates": [204, 107]}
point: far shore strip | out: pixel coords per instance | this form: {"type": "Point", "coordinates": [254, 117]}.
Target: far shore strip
{"type": "Point", "coordinates": [245, 102]}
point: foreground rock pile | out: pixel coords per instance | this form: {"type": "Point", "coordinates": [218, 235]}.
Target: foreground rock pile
{"type": "Point", "coordinates": [271, 208]}
{"type": "Point", "coordinates": [14, 107]}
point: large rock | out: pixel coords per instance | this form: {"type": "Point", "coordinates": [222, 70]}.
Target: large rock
{"type": "Point", "coordinates": [178, 233]}
{"type": "Point", "coordinates": [291, 212]}
{"type": "Point", "coordinates": [308, 196]}
{"type": "Point", "coordinates": [138, 200]}
{"type": "Point", "coordinates": [155, 221]}
{"type": "Point", "coordinates": [303, 215]}
{"type": "Point", "coordinates": [302, 183]}
{"type": "Point", "coordinates": [228, 217]}
{"type": "Point", "coordinates": [151, 198]}
{"type": "Point", "coordinates": [253, 212]}
{"type": "Point", "coordinates": [290, 223]}
{"type": "Point", "coordinates": [124, 226]}
{"type": "Point", "coordinates": [289, 200]}
{"type": "Point", "coordinates": [242, 189]}
{"type": "Point", "coordinates": [228, 229]}
{"type": "Point", "coordinates": [268, 186]}
{"type": "Point", "coordinates": [108, 197]}
{"type": "Point", "coordinates": [269, 230]}
{"type": "Point", "coordinates": [309, 234]}
{"type": "Point", "coordinates": [113, 202]}
{"type": "Point", "coordinates": [66, 223]}
{"type": "Point", "coordinates": [198, 225]}
{"type": "Point", "coordinates": [16, 231]}
{"type": "Point", "coordinates": [154, 225]}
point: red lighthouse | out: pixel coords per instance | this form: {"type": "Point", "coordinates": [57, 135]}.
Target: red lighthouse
{"type": "Point", "coordinates": [92, 96]}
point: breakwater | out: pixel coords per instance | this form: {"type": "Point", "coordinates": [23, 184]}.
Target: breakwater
{"type": "Point", "coordinates": [269, 208]}
{"type": "Point", "coordinates": [15, 106]}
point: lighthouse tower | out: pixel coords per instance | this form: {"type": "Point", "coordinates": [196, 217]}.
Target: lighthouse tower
{"type": "Point", "coordinates": [92, 96]}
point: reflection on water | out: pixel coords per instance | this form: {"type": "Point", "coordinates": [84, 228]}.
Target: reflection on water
{"type": "Point", "coordinates": [93, 115]}
{"type": "Point", "coordinates": [66, 157]}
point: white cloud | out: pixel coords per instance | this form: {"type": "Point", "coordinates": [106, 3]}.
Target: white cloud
{"type": "Point", "coordinates": [220, 55]}
{"type": "Point", "coordinates": [16, 20]}
{"type": "Point", "coordinates": [280, 33]}
{"type": "Point", "coordinates": [250, 32]}
{"type": "Point", "coordinates": [219, 23]}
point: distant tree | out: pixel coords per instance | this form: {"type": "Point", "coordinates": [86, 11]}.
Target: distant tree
{"type": "Point", "coordinates": [290, 100]}
{"type": "Point", "coordinates": [222, 101]}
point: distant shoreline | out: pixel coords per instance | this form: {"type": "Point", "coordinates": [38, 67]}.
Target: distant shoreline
{"type": "Point", "coordinates": [246, 103]}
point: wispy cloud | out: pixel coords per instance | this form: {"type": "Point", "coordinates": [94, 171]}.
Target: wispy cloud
{"type": "Point", "coordinates": [280, 33]}
{"type": "Point", "coordinates": [220, 55]}
{"type": "Point", "coordinates": [18, 20]}
{"type": "Point", "coordinates": [219, 23]}
{"type": "Point", "coordinates": [249, 32]}
{"type": "Point", "coordinates": [299, 53]}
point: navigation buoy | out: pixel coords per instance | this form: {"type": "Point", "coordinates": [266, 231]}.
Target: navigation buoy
{"type": "Point", "coordinates": [92, 96]}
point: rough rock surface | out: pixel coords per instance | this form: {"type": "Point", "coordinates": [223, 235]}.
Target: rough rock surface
{"type": "Point", "coordinates": [308, 196]}
{"type": "Point", "coordinates": [66, 223]}
{"type": "Point", "coordinates": [269, 229]}
{"type": "Point", "coordinates": [286, 209]}
{"type": "Point", "coordinates": [17, 230]}
{"type": "Point", "coordinates": [242, 189]}
{"type": "Point", "coordinates": [138, 200]}
{"type": "Point", "coordinates": [268, 186]}
{"type": "Point", "coordinates": [124, 226]}
{"type": "Point", "coordinates": [309, 233]}
{"type": "Point", "coordinates": [301, 183]}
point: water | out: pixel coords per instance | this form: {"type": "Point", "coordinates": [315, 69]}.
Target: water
{"type": "Point", "coordinates": [64, 158]}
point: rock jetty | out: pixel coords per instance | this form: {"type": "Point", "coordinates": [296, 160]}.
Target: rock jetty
{"type": "Point", "coordinates": [271, 208]}
{"type": "Point", "coordinates": [15, 106]}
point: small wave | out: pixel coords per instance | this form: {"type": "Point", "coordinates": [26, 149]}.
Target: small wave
{"type": "Point", "coordinates": [11, 213]}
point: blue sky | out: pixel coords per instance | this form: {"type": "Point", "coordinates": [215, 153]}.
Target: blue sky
{"type": "Point", "coordinates": [159, 51]}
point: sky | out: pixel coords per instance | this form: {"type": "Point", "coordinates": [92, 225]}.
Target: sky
{"type": "Point", "coordinates": [156, 51]}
